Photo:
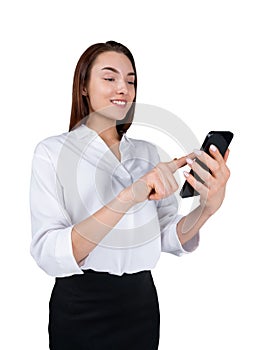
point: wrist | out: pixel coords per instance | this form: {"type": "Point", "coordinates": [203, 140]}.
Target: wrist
{"type": "Point", "coordinates": [206, 211]}
{"type": "Point", "coordinates": [127, 197]}
{"type": "Point", "coordinates": [136, 193]}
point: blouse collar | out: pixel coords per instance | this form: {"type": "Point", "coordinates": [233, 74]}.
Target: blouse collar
{"type": "Point", "coordinates": [83, 131]}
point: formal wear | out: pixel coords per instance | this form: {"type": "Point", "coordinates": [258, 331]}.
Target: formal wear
{"type": "Point", "coordinates": [74, 174]}
{"type": "Point", "coordinates": [100, 311]}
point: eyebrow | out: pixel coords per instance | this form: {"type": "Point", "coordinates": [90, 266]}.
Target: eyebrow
{"type": "Point", "coordinates": [115, 70]}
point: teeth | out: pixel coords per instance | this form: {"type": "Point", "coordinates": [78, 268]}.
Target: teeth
{"type": "Point", "coordinates": [122, 103]}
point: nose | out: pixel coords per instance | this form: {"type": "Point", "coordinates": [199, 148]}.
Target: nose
{"type": "Point", "coordinates": [122, 87]}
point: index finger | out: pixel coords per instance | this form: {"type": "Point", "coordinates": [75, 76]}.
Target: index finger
{"type": "Point", "coordinates": [177, 163]}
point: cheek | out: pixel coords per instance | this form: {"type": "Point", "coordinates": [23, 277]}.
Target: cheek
{"type": "Point", "coordinates": [98, 95]}
{"type": "Point", "coordinates": [132, 94]}
{"type": "Point", "coordinates": [105, 90]}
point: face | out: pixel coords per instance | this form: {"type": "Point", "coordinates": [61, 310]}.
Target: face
{"type": "Point", "coordinates": [111, 85]}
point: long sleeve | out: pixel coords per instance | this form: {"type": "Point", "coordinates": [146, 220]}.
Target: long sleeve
{"type": "Point", "coordinates": [167, 210]}
{"type": "Point", "coordinates": [51, 245]}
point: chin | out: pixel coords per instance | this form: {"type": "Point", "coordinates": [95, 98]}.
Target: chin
{"type": "Point", "coordinates": [114, 112]}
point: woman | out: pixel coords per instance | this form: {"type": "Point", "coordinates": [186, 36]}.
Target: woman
{"type": "Point", "coordinates": [103, 208]}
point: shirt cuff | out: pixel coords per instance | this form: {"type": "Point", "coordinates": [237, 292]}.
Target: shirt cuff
{"type": "Point", "coordinates": [185, 248]}
{"type": "Point", "coordinates": [66, 263]}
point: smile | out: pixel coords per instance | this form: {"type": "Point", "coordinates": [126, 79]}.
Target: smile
{"type": "Point", "coordinates": [121, 103]}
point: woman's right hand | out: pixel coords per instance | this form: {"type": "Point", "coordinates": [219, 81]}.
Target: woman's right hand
{"type": "Point", "coordinates": [157, 184]}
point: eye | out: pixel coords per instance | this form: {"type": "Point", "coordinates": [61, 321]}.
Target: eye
{"type": "Point", "coordinates": [131, 82]}
{"type": "Point", "coordinates": [109, 79]}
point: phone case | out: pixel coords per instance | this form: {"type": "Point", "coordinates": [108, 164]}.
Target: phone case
{"type": "Point", "coordinates": [221, 139]}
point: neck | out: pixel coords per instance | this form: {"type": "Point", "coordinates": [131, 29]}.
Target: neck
{"type": "Point", "coordinates": [104, 127]}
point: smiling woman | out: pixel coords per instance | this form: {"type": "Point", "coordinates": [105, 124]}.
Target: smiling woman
{"type": "Point", "coordinates": [94, 61]}
{"type": "Point", "coordinates": [103, 209]}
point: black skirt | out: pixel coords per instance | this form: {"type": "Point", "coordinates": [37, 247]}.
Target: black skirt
{"type": "Point", "coordinates": [98, 310]}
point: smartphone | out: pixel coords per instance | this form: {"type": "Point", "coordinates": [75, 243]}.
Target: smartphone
{"type": "Point", "coordinates": [221, 139]}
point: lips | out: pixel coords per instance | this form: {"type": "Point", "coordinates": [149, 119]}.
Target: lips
{"type": "Point", "coordinates": [119, 102]}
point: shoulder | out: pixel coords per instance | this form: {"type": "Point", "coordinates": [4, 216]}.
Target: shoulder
{"type": "Point", "coordinates": [65, 145]}
{"type": "Point", "coordinates": [50, 146]}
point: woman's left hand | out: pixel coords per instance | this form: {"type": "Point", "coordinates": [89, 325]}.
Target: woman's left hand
{"type": "Point", "coordinates": [212, 191]}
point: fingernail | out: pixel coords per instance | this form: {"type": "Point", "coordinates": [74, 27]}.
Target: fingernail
{"type": "Point", "coordinates": [186, 174]}
{"type": "Point", "coordinates": [197, 152]}
{"type": "Point", "coordinates": [213, 148]}
{"type": "Point", "coordinates": [189, 161]}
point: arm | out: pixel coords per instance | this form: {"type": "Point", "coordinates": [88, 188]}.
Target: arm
{"type": "Point", "coordinates": [156, 184]}
{"type": "Point", "coordinates": [87, 234]}
{"type": "Point", "coordinates": [212, 192]}
{"type": "Point", "coordinates": [189, 226]}
{"type": "Point", "coordinates": [57, 244]}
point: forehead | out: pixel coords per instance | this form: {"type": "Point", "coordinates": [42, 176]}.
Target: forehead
{"type": "Point", "coordinates": [113, 59]}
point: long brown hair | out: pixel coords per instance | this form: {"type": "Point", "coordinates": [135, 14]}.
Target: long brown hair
{"type": "Point", "coordinates": [80, 107]}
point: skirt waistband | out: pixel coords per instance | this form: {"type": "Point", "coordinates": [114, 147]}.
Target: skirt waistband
{"type": "Point", "coordinates": [101, 273]}
{"type": "Point", "coordinates": [96, 280]}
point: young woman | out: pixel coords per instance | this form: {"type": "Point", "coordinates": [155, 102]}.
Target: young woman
{"type": "Point", "coordinates": [103, 208]}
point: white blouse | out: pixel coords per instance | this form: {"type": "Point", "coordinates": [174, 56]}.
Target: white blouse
{"type": "Point", "coordinates": [74, 175]}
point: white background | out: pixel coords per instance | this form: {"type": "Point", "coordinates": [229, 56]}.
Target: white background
{"type": "Point", "coordinates": [203, 61]}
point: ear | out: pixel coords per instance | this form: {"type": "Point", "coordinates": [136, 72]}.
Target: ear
{"type": "Point", "coordinates": [84, 92]}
